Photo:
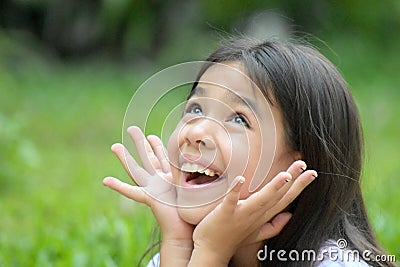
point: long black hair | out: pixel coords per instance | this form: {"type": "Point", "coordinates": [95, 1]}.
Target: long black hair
{"type": "Point", "coordinates": [321, 121]}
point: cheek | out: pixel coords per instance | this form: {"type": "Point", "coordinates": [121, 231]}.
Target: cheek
{"type": "Point", "coordinates": [237, 155]}
{"type": "Point", "coordinates": [246, 158]}
{"type": "Point", "coordinates": [249, 176]}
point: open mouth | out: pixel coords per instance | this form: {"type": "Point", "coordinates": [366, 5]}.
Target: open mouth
{"type": "Point", "coordinates": [198, 175]}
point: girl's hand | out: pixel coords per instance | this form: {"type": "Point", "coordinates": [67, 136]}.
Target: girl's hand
{"type": "Point", "coordinates": [235, 223]}
{"type": "Point", "coordinates": [156, 186]}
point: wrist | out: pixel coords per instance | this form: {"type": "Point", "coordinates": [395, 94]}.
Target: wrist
{"type": "Point", "coordinates": [175, 252]}
{"type": "Point", "coordinates": [202, 256]}
{"type": "Point", "coordinates": [178, 243]}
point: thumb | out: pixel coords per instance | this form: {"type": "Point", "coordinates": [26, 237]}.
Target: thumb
{"type": "Point", "coordinates": [133, 192]}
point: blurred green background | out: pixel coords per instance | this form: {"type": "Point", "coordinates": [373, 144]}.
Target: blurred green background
{"type": "Point", "coordinates": [69, 68]}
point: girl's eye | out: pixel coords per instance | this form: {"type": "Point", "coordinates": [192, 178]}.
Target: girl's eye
{"type": "Point", "coordinates": [194, 109]}
{"type": "Point", "coordinates": [238, 118]}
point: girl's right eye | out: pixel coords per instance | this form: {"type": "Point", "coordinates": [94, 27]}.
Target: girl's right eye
{"type": "Point", "coordinates": [194, 109]}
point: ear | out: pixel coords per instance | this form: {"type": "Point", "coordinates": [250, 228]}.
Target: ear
{"type": "Point", "coordinates": [297, 155]}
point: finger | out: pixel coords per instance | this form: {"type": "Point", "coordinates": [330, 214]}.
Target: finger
{"type": "Point", "coordinates": [297, 168]}
{"type": "Point", "coordinates": [298, 186]}
{"type": "Point", "coordinates": [129, 191]}
{"type": "Point", "coordinates": [130, 165]}
{"type": "Point", "coordinates": [150, 154]}
{"type": "Point", "coordinates": [269, 195]}
{"type": "Point", "coordinates": [123, 155]}
{"type": "Point", "coordinates": [159, 150]}
{"type": "Point", "coordinates": [144, 149]}
{"type": "Point", "coordinates": [231, 199]}
{"type": "Point", "coordinates": [274, 227]}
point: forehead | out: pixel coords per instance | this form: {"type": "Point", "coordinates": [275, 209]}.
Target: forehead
{"type": "Point", "coordinates": [230, 76]}
{"type": "Point", "coordinates": [229, 82]}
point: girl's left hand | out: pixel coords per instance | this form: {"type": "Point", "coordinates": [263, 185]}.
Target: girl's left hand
{"type": "Point", "coordinates": [235, 223]}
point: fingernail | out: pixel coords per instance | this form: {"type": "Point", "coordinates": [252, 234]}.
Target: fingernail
{"type": "Point", "coordinates": [105, 180]}
{"type": "Point", "coordinates": [237, 186]}
{"type": "Point", "coordinates": [287, 180]}
{"type": "Point", "coordinates": [303, 169]}
{"type": "Point", "coordinates": [315, 175]}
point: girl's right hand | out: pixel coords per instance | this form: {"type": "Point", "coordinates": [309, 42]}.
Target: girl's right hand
{"type": "Point", "coordinates": [156, 187]}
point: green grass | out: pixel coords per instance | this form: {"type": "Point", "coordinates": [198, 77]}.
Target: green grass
{"type": "Point", "coordinates": [56, 126]}
{"type": "Point", "coordinates": [58, 121]}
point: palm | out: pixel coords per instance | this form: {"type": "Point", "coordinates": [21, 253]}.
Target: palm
{"type": "Point", "coordinates": [156, 189]}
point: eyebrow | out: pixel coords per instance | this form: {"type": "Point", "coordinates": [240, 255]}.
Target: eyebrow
{"type": "Point", "coordinates": [241, 100]}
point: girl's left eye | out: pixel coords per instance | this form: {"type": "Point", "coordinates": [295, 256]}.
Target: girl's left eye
{"type": "Point", "coordinates": [240, 119]}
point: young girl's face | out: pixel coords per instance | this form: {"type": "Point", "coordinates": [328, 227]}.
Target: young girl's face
{"type": "Point", "coordinates": [227, 129]}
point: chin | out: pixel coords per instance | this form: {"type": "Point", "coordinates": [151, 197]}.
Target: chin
{"type": "Point", "coordinates": [195, 215]}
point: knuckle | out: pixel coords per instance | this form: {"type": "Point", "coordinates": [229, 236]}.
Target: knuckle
{"type": "Point", "coordinates": [282, 173]}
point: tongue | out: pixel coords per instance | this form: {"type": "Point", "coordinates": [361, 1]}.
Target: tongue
{"type": "Point", "coordinates": [201, 179]}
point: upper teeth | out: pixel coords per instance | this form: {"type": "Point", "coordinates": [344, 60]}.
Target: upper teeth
{"type": "Point", "coordinates": [189, 167]}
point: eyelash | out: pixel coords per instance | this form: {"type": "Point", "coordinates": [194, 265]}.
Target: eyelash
{"type": "Point", "coordinates": [243, 118]}
{"type": "Point", "coordinates": [191, 110]}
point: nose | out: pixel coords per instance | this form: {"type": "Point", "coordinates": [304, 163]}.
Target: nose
{"type": "Point", "coordinates": [200, 132]}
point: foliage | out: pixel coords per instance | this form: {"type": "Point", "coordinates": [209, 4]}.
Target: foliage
{"type": "Point", "coordinates": [58, 120]}
{"type": "Point", "coordinates": [143, 29]}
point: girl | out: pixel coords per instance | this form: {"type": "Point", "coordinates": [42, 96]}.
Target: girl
{"type": "Point", "coordinates": [223, 130]}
